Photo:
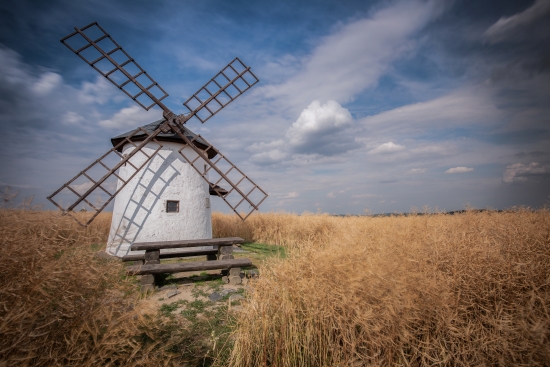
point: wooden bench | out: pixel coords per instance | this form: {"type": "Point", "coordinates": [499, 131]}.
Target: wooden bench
{"type": "Point", "coordinates": [220, 257]}
{"type": "Point", "coordinates": [172, 254]}
{"type": "Point", "coordinates": [153, 246]}
{"type": "Point", "coordinates": [193, 266]}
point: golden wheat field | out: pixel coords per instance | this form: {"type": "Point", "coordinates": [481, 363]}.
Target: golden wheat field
{"type": "Point", "coordinates": [470, 289]}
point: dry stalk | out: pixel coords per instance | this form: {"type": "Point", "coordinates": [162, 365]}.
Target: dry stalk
{"type": "Point", "coordinates": [61, 305]}
{"type": "Point", "coordinates": [470, 289]}
{"type": "Point", "coordinates": [462, 290]}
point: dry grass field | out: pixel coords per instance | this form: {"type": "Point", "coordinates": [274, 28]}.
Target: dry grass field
{"type": "Point", "coordinates": [460, 290]}
{"type": "Point", "coordinates": [60, 304]}
{"type": "Point", "coordinates": [457, 290]}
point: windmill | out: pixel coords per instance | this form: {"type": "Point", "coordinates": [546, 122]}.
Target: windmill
{"type": "Point", "coordinates": [133, 153]}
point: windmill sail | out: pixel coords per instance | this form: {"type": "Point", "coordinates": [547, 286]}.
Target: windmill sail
{"type": "Point", "coordinates": [93, 180]}
{"type": "Point", "coordinates": [232, 81]}
{"type": "Point", "coordinates": [244, 196]}
{"type": "Point", "coordinates": [111, 61]}
{"type": "Point", "coordinates": [100, 51]}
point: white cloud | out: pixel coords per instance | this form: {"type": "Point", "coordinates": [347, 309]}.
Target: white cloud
{"type": "Point", "coordinates": [519, 172]}
{"type": "Point", "coordinates": [72, 118]}
{"type": "Point", "coordinates": [318, 118]}
{"type": "Point", "coordinates": [433, 150]}
{"type": "Point", "coordinates": [31, 97]}
{"type": "Point", "coordinates": [507, 26]}
{"type": "Point", "coordinates": [387, 148]}
{"type": "Point", "coordinates": [319, 129]}
{"type": "Point", "coordinates": [364, 196]}
{"type": "Point", "coordinates": [331, 195]}
{"type": "Point", "coordinates": [416, 171]}
{"type": "Point", "coordinates": [261, 147]}
{"type": "Point", "coordinates": [291, 195]}
{"type": "Point", "coordinates": [356, 55]}
{"type": "Point", "coordinates": [459, 170]}
{"type": "Point", "coordinates": [112, 185]}
{"type": "Point", "coordinates": [18, 186]}
{"type": "Point", "coordinates": [127, 117]}
{"type": "Point", "coordinates": [46, 83]}
{"type": "Point", "coordinates": [13, 71]}
{"type": "Point", "coordinates": [269, 157]}
{"type": "Point", "coordinates": [460, 108]}
{"type": "Point", "coordinates": [299, 160]}
{"type": "Point", "coordinates": [343, 64]}
{"type": "Point", "coordinates": [98, 92]}
{"type": "Point", "coordinates": [83, 187]}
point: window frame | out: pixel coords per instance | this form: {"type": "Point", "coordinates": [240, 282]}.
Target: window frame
{"type": "Point", "coordinates": [177, 206]}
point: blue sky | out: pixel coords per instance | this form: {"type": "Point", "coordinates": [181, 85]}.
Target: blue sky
{"type": "Point", "coordinates": [376, 106]}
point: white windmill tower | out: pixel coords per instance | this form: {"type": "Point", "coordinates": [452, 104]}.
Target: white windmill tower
{"type": "Point", "coordinates": [167, 201]}
{"type": "Point", "coordinates": [164, 173]}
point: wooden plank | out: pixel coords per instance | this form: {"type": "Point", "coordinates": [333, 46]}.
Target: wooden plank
{"type": "Point", "coordinates": [192, 266]}
{"type": "Point", "coordinates": [170, 255]}
{"type": "Point", "coordinates": [186, 243]}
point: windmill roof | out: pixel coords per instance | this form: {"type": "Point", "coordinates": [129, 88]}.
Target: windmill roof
{"type": "Point", "coordinates": [170, 136]}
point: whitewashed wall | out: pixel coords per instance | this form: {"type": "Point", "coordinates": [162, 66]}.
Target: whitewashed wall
{"type": "Point", "coordinates": [139, 213]}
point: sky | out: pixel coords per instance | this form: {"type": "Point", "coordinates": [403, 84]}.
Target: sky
{"type": "Point", "coordinates": [362, 106]}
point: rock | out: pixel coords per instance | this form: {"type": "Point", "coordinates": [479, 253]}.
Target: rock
{"type": "Point", "coordinates": [225, 279]}
{"type": "Point", "coordinates": [147, 279]}
{"type": "Point", "coordinates": [226, 257]}
{"type": "Point", "coordinates": [172, 293]}
{"type": "Point", "coordinates": [216, 296]}
{"type": "Point", "coordinates": [235, 280]}
{"type": "Point", "coordinates": [226, 291]}
{"type": "Point", "coordinates": [252, 274]}
{"type": "Point", "coordinates": [225, 250]}
{"type": "Point", "coordinates": [235, 271]}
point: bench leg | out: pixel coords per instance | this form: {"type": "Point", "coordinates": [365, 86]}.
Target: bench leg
{"type": "Point", "coordinates": [225, 252]}
{"type": "Point", "coordinates": [147, 283]}
{"type": "Point", "coordinates": [235, 276]}
{"type": "Point", "coordinates": [152, 257]}
{"type": "Point", "coordinates": [148, 280]}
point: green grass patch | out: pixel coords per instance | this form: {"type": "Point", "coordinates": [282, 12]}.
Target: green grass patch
{"type": "Point", "coordinates": [264, 250]}
{"type": "Point", "coordinates": [96, 246]}
{"type": "Point", "coordinates": [216, 285]}
{"type": "Point", "coordinates": [197, 291]}
{"type": "Point", "coordinates": [167, 308]}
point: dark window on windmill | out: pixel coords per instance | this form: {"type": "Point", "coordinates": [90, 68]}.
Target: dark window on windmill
{"type": "Point", "coordinates": [172, 206]}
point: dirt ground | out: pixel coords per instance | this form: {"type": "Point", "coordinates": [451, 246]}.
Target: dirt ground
{"type": "Point", "coordinates": [179, 292]}
{"type": "Point", "coordinates": [189, 287]}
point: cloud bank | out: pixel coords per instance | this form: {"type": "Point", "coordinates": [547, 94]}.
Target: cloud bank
{"type": "Point", "coordinates": [459, 170]}
{"type": "Point", "coordinates": [519, 172]}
